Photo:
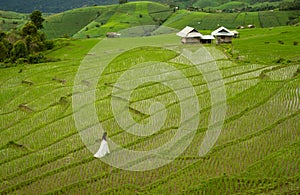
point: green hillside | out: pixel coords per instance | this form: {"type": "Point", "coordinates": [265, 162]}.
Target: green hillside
{"type": "Point", "coordinates": [204, 21]}
{"type": "Point", "coordinates": [96, 21]}
{"type": "Point", "coordinates": [56, 6]}
{"type": "Point", "coordinates": [10, 20]}
{"type": "Point", "coordinates": [257, 151]}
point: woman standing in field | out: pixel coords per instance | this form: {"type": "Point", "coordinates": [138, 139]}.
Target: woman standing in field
{"type": "Point", "coordinates": [103, 150]}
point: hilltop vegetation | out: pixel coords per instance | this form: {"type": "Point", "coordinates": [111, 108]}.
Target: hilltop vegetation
{"type": "Point", "coordinates": [210, 21]}
{"type": "Point", "coordinates": [12, 20]}
{"type": "Point", "coordinates": [26, 44]}
{"type": "Point", "coordinates": [96, 21]}
{"type": "Point", "coordinates": [56, 6]}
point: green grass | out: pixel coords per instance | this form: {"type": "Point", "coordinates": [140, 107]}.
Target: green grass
{"type": "Point", "coordinates": [184, 18]}
{"type": "Point", "coordinates": [256, 152]}
{"type": "Point", "coordinates": [98, 20]}
{"type": "Point", "coordinates": [211, 21]}
{"type": "Point", "coordinates": [232, 5]}
{"type": "Point", "coordinates": [70, 22]}
{"type": "Point", "coordinates": [268, 45]}
{"type": "Point", "coordinates": [11, 20]}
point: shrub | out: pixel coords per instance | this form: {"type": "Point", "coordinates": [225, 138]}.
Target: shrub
{"type": "Point", "coordinates": [21, 61]}
{"type": "Point", "coordinates": [122, 1]}
{"type": "Point", "coordinates": [66, 36]}
{"type": "Point", "coordinates": [19, 50]}
{"type": "Point", "coordinates": [36, 58]}
{"type": "Point", "coordinates": [3, 52]}
{"type": "Point", "coordinates": [280, 60]}
{"type": "Point", "coordinates": [49, 44]}
{"type": "Point", "coordinates": [29, 29]}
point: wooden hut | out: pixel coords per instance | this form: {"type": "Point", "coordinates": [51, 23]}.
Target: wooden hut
{"type": "Point", "coordinates": [191, 35]}
{"type": "Point", "coordinates": [207, 39]}
{"type": "Point", "coordinates": [236, 34]}
{"type": "Point", "coordinates": [223, 35]}
{"type": "Point", "coordinates": [112, 35]}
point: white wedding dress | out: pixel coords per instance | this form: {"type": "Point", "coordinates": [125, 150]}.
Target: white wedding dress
{"type": "Point", "coordinates": [103, 150]}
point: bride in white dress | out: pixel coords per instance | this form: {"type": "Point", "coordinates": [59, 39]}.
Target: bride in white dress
{"type": "Point", "coordinates": [103, 150]}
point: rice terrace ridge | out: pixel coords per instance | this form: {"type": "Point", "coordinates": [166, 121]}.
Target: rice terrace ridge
{"type": "Point", "coordinates": [150, 97]}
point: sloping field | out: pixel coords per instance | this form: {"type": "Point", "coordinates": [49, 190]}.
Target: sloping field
{"type": "Point", "coordinates": [10, 20]}
{"type": "Point", "coordinates": [211, 21]}
{"type": "Point", "coordinates": [257, 151]}
{"type": "Point", "coordinates": [97, 21]}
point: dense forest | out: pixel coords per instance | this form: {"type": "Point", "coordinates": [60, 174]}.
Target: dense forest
{"type": "Point", "coordinates": [55, 6]}
{"type": "Point", "coordinates": [25, 45]}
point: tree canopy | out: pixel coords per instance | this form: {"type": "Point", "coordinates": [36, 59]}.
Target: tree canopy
{"type": "Point", "coordinates": [27, 44]}
{"type": "Point", "coordinates": [37, 19]}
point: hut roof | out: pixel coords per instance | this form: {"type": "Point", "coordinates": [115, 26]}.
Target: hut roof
{"type": "Point", "coordinates": [235, 32]}
{"type": "Point", "coordinates": [189, 32]}
{"type": "Point", "coordinates": [194, 34]}
{"type": "Point", "coordinates": [222, 31]}
{"type": "Point", "coordinates": [208, 37]}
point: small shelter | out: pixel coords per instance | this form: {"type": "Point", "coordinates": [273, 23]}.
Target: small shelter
{"type": "Point", "coordinates": [223, 35]}
{"type": "Point", "coordinates": [236, 33]}
{"type": "Point", "coordinates": [250, 26]}
{"type": "Point", "coordinates": [113, 35]}
{"type": "Point", "coordinates": [207, 39]}
{"type": "Point", "coordinates": [191, 35]}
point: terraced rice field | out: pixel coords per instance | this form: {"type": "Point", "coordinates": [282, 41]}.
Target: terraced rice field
{"type": "Point", "coordinates": [257, 151]}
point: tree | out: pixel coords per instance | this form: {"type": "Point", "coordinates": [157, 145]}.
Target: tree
{"type": "Point", "coordinates": [3, 52]}
{"type": "Point", "coordinates": [19, 50]}
{"type": "Point", "coordinates": [122, 1]}
{"type": "Point", "coordinates": [27, 44]}
{"type": "Point", "coordinates": [37, 19]}
{"type": "Point", "coordinates": [2, 35]}
{"type": "Point", "coordinates": [29, 29]}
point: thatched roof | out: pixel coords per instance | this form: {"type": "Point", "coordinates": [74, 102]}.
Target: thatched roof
{"type": "Point", "coordinates": [208, 37]}
{"type": "Point", "coordinates": [222, 31]}
{"type": "Point", "coordinates": [235, 32]}
{"type": "Point", "coordinates": [189, 32]}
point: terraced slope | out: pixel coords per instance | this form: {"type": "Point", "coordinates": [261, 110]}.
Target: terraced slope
{"type": "Point", "coordinates": [97, 21]}
{"type": "Point", "coordinates": [256, 152]}
{"type": "Point", "coordinates": [10, 20]}
{"type": "Point", "coordinates": [199, 20]}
